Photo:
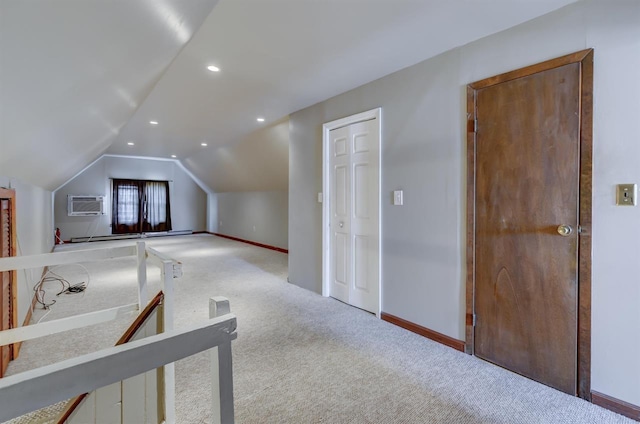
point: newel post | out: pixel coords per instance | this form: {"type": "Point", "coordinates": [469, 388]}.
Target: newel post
{"type": "Point", "coordinates": [222, 411]}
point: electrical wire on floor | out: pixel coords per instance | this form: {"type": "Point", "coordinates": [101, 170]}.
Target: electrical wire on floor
{"type": "Point", "coordinates": [39, 290]}
{"type": "Point", "coordinates": [66, 286]}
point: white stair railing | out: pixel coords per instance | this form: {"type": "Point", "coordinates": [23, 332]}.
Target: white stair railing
{"type": "Point", "coordinates": [169, 269]}
{"type": "Point", "coordinates": [31, 390]}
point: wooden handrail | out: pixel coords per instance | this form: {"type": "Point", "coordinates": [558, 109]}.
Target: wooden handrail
{"type": "Point", "coordinates": [141, 319]}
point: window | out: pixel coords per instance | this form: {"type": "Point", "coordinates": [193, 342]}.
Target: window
{"type": "Point", "coordinates": [128, 203]}
{"type": "Point", "coordinates": [140, 206]}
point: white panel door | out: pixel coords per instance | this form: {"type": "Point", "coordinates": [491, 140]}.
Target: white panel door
{"type": "Point", "coordinates": [355, 198]}
{"type": "Point", "coordinates": [340, 225]}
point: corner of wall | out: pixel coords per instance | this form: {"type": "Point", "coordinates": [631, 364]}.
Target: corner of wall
{"type": "Point", "coordinates": [212, 212]}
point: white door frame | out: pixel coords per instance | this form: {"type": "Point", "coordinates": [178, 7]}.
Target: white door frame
{"type": "Point", "coordinates": [326, 196]}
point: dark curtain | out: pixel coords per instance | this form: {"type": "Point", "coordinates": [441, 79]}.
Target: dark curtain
{"type": "Point", "coordinates": [140, 206]}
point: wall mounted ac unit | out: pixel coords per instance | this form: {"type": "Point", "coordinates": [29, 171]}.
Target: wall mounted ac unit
{"type": "Point", "coordinates": [85, 205]}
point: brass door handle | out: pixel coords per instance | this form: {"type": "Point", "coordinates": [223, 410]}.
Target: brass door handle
{"type": "Point", "coordinates": [565, 230]}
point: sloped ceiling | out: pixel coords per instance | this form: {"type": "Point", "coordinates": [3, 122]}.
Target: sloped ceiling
{"type": "Point", "coordinates": [257, 162]}
{"type": "Point", "coordinates": [80, 78]}
{"type": "Point", "coordinates": [73, 72]}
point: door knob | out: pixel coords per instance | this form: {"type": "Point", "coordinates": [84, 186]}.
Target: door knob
{"type": "Point", "coordinates": [565, 230]}
{"type": "Point", "coordinates": [341, 224]}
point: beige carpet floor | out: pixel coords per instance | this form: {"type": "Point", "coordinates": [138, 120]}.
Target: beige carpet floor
{"type": "Point", "coordinates": [299, 357]}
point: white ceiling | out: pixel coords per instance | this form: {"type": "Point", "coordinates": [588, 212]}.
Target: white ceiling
{"type": "Point", "coordinates": [73, 72]}
{"type": "Point", "coordinates": [79, 78]}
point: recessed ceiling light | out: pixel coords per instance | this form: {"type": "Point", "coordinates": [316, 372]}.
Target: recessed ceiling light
{"type": "Point", "coordinates": [203, 144]}
{"type": "Point", "coordinates": [260, 119]}
{"type": "Point", "coordinates": [131, 143]}
{"type": "Point", "coordinates": [213, 68]}
{"type": "Point", "coordinates": [153, 122]}
{"type": "Point", "coordinates": [173, 156]}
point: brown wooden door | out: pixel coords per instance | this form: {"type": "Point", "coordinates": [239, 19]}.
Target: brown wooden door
{"type": "Point", "coordinates": [527, 184]}
{"type": "Point", "coordinates": [6, 303]}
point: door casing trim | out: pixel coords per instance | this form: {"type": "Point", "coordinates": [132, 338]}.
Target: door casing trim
{"type": "Point", "coordinates": [326, 195]}
{"type": "Point", "coordinates": [585, 58]}
{"type": "Point", "coordinates": [8, 193]}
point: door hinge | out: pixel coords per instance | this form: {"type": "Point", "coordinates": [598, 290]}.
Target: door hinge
{"type": "Point", "coordinates": [472, 125]}
{"type": "Point", "coordinates": [471, 319]}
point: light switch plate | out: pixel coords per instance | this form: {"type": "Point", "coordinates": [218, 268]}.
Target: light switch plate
{"type": "Point", "coordinates": [319, 197]}
{"type": "Point", "coordinates": [398, 198]}
{"type": "Point", "coordinates": [626, 194]}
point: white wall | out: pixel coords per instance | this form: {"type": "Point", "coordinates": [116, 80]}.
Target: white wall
{"type": "Point", "coordinates": [35, 234]}
{"type": "Point", "coordinates": [212, 212]}
{"type": "Point", "coordinates": [423, 122]}
{"type": "Point", "coordinates": [188, 200]}
{"type": "Point", "coordinates": [251, 180]}
{"type": "Point", "coordinates": [260, 216]}
{"type": "Point", "coordinates": [422, 154]}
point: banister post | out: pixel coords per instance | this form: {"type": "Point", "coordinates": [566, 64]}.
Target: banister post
{"type": "Point", "coordinates": [166, 277]}
{"type": "Point", "coordinates": [222, 409]}
{"type": "Point", "coordinates": [143, 295]}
